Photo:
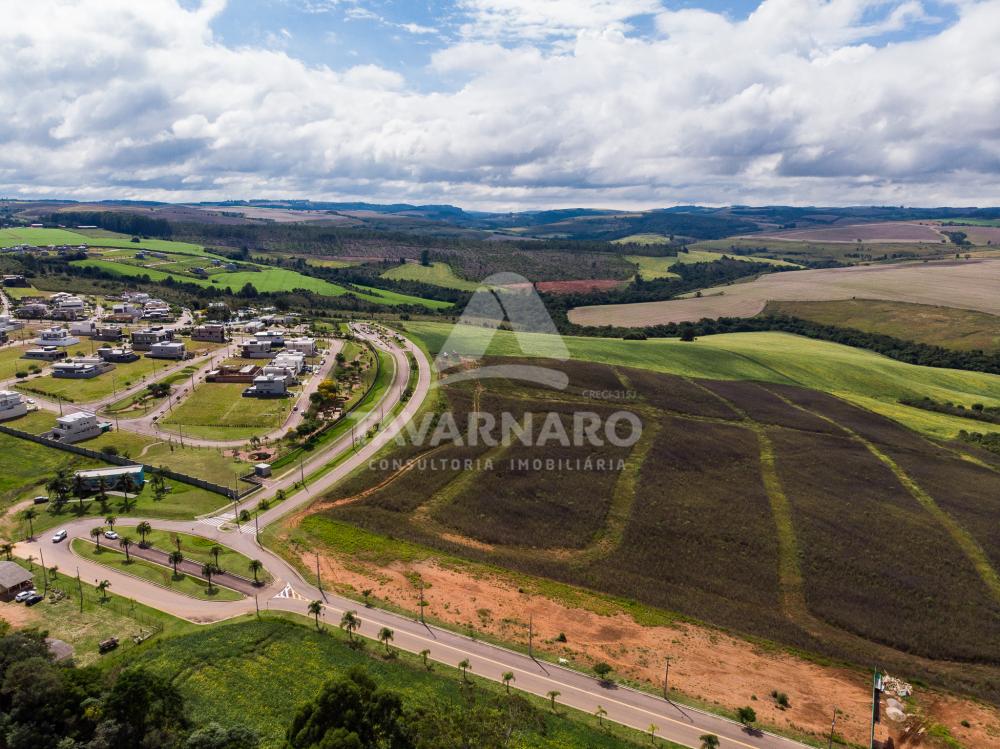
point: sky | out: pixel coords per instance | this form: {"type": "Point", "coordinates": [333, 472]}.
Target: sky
{"type": "Point", "coordinates": [503, 104]}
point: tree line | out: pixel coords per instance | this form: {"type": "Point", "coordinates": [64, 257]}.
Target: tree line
{"type": "Point", "coordinates": [135, 224]}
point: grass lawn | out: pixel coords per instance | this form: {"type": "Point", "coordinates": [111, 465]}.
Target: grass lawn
{"type": "Point", "coordinates": [257, 672]}
{"type": "Point", "coordinates": [11, 361]}
{"type": "Point", "coordinates": [18, 292]}
{"type": "Point", "coordinates": [196, 549]}
{"type": "Point", "coordinates": [851, 373]}
{"type": "Point", "coordinates": [140, 403]}
{"type": "Point", "coordinates": [950, 327]}
{"type": "Point", "coordinates": [154, 573]}
{"type": "Point", "coordinates": [219, 411]}
{"type": "Point", "coordinates": [439, 274]}
{"type": "Point", "coordinates": [643, 239]}
{"type": "Point", "coordinates": [98, 620]}
{"type": "Point", "coordinates": [34, 422]}
{"type": "Point", "coordinates": [27, 467]}
{"type": "Point", "coordinates": [84, 391]}
{"type": "Point", "coordinates": [653, 267]}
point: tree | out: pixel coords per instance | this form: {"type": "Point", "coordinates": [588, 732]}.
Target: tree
{"type": "Point", "coordinates": [508, 677]}
{"type": "Point", "coordinates": [214, 736]}
{"type": "Point", "coordinates": [79, 489]}
{"type": "Point", "coordinates": [54, 572]}
{"type": "Point", "coordinates": [175, 558]}
{"type": "Point", "coordinates": [96, 533]}
{"type": "Point", "coordinates": [746, 716]}
{"type": "Point", "coordinates": [425, 258]}
{"type": "Point", "coordinates": [365, 594]}
{"type": "Point", "coordinates": [7, 549]}
{"type": "Point", "coordinates": [102, 588]}
{"type": "Point", "coordinates": [350, 623]}
{"type": "Point", "coordinates": [653, 728]}
{"type": "Point", "coordinates": [111, 520]}
{"type": "Point", "coordinates": [465, 666]}
{"type": "Point", "coordinates": [709, 741]}
{"type": "Point", "coordinates": [423, 656]}
{"type": "Point", "coordinates": [143, 529]}
{"type": "Point", "coordinates": [255, 567]}
{"type": "Point", "coordinates": [602, 670]}
{"type": "Point", "coordinates": [30, 514]}
{"type": "Point", "coordinates": [215, 551]}
{"type": "Point", "coordinates": [385, 636]}
{"type": "Point", "coordinates": [125, 542]}
{"type": "Point", "coordinates": [102, 489]}
{"type": "Point", "coordinates": [207, 570]}
{"type": "Point", "coordinates": [601, 713]}
{"type": "Point", "coordinates": [552, 698]}
{"type": "Point", "coordinates": [60, 486]}
{"type": "Point", "coordinates": [316, 609]}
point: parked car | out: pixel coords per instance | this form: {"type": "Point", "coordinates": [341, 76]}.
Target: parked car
{"type": "Point", "coordinates": [107, 645]}
{"type": "Point", "coordinates": [59, 536]}
{"type": "Point", "coordinates": [40, 500]}
{"type": "Point", "coordinates": [33, 599]}
{"type": "Point", "coordinates": [24, 595]}
{"type": "Point", "coordinates": [111, 535]}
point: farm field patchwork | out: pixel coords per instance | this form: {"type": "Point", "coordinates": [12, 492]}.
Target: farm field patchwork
{"type": "Point", "coordinates": [949, 327]}
{"type": "Point", "coordinates": [438, 274]}
{"type": "Point", "coordinates": [93, 238]}
{"type": "Point", "coordinates": [965, 284]}
{"type": "Point", "coordinates": [219, 411]}
{"type": "Point", "coordinates": [702, 529]}
{"type": "Point", "coordinates": [653, 267]}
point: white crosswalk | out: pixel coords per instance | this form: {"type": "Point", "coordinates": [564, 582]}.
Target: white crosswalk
{"type": "Point", "coordinates": [229, 518]}
{"type": "Point", "coordinates": [289, 592]}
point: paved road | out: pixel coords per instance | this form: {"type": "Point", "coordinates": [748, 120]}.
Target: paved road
{"type": "Point", "coordinates": [290, 592]}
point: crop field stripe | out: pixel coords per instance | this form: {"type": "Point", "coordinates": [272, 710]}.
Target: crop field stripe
{"type": "Point", "coordinates": [424, 513]}
{"type": "Point", "coordinates": [972, 550]}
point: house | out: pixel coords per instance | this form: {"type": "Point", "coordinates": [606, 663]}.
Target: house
{"type": "Point", "coordinates": [303, 345]}
{"type": "Point", "coordinates": [118, 354]}
{"type": "Point", "coordinates": [275, 337]}
{"type": "Point", "coordinates": [45, 353]}
{"type": "Point", "coordinates": [13, 579]}
{"type": "Point", "coordinates": [199, 271]}
{"type": "Point", "coordinates": [15, 280]}
{"type": "Point", "coordinates": [229, 373]}
{"type": "Point", "coordinates": [8, 323]}
{"type": "Point", "coordinates": [77, 427]}
{"type": "Point", "coordinates": [267, 386]}
{"type": "Point", "coordinates": [32, 310]}
{"type": "Point", "coordinates": [12, 405]}
{"type": "Point", "coordinates": [111, 333]}
{"type": "Point", "coordinates": [143, 340]}
{"type": "Point", "coordinates": [256, 350]}
{"type": "Point", "coordinates": [81, 368]}
{"type": "Point", "coordinates": [67, 302]}
{"type": "Point", "coordinates": [56, 337]}
{"type": "Point", "coordinates": [168, 350]}
{"type": "Point", "coordinates": [288, 363]}
{"type": "Point", "coordinates": [117, 478]}
{"type": "Point", "coordinates": [209, 332]}
{"type": "Point", "coordinates": [125, 312]}
{"type": "Point", "coordinates": [83, 327]}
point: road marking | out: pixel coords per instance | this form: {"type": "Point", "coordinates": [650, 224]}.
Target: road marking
{"type": "Point", "coordinates": [289, 592]}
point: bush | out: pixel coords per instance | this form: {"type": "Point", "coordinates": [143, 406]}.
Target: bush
{"type": "Point", "coordinates": [21, 374]}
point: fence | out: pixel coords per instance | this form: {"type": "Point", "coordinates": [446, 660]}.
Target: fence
{"type": "Point", "coordinates": [225, 491]}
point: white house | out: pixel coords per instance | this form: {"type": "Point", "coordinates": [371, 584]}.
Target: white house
{"type": "Point", "coordinates": [81, 368]}
{"type": "Point", "coordinates": [168, 350]}
{"type": "Point", "coordinates": [303, 345]}
{"type": "Point", "coordinates": [76, 427]}
{"type": "Point", "coordinates": [8, 323]}
{"type": "Point", "coordinates": [275, 337]}
{"type": "Point", "coordinates": [288, 363]}
{"type": "Point", "coordinates": [143, 340]}
{"type": "Point", "coordinates": [56, 337]}
{"type": "Point", "coordinates": [12, 405]}
{"type": "Point", "coordinates": [256, 350]}
{"type": "Point", "coordinates": [268, 386]}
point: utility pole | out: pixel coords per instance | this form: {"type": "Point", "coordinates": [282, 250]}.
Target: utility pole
{"type": "Point", "coordinates": [79, 586]}
{"type": "Point", "coordinates": [531, 636]}
{"type": "Point", "coordinates": [833, 725]}
{"type": "Point", "coordinates": [319, 580]}
{"type": "Point", "coordinates": [302, 472]}
{"type": "Point", "coordinates": [422, 603]}
{"type": "Point", "coordinates": [666, 680]}
{"type": "Point", "coordinates": [180, 428]}
{"type": "Point", "coordinates": [45, 574]}
{"type": "Point", "coordinates": [256, 605]}
{"type": "Point", "coordinates": [256, 527]}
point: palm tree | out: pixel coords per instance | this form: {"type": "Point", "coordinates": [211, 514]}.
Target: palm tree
{"type": "Point", "coordinates": [385, 636]}
{"type": "Point", "coordinates": [7, 549]}
{"type": "Point", "coordinates": [600, 712]}
{"type": "Point", "coordinates": [102, 489]}
{"type": "Point", "coordinates": [465, 666]}
{"type": "Point", "coordinates": [144, 529]}
{"type": "Point", "coordinates": [54, 571]}
{"type": "Point", "coordinates": [508, 677]}
{"type": "Point", "coordinates": [207, 570]}
{"type": "Point", "coordinates": [552, 698]}
{"type": "Point", "coordinates": [111, 520]}
{"type": "Point", "coordinates": [59, 485]}
{"type": "Point", "coordinates": [30, 514]}
{"type": "Point", "coordinates": [653, 728]}
{"type": "Point", "coordinates": [102, 588]}
{"type": "Point", "coordinates": [316, 609]}
{"type": "Point", "coordinates": [215, 551]}
{"type": "Point", "coordinates": [255, 566]}
{"type": "Point", "coordinates": [128, 485]}
{"type": "Point", "coordinates": [96, 533]}
{"type": "Point", "coordinates": [709, 741]}
{"type": "Point", "coordinates": [80, 489]}
{"type": "Point", "coordinates": [175, 558]}
{"type": "Point", "coordinates": [423, 656]}
{"type": "Point", "coordinates": [125, 542]}
{"type": "Point", "coordinates": [349, 622]}
{"type": "Point", "coordinates": [365, 594]}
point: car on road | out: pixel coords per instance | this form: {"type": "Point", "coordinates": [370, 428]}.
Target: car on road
{"type": "Point", "coordinates": [25, 595]}
{"type": "Point", "coordinates": [111, 535]}
{"type": "Point", "coordinates": [40, 500]}
{"type": "Point", "coordinates": [32, 600]}
{"type": "Point", "coordinates": [59, 536]}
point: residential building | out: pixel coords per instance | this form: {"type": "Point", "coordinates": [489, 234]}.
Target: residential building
{"type": "Point", "coordinates": [275, 337]}
{"type": "Point", "coordinates": [8, 323]}
{"type": "Point", "coordinates": [116, 478]}
{"type": "Point", "coordinates": [143, 340]}
{"type": "Point", "coordinates": [125, 312]}
{"type": "Point", "coordinates": [111, 333]}
{"type": "Point", "coordinates": [15, 280]}
{"type": "Point", "coordinates": [32, 310]}
{"type": "Point", "coordinates": [214, 332]}
{"type": "Point", "coordinates": [81, 368]}
{"type": "Point", "coordinates": [268, 386]}
{"type": "Point", "coordinates": [45, 353]}
{"type": "Point", "coordinates": [77, 427]}
{"type": "Point", "coordinates": [13, 579]}
{"type": "Point", "coordinates": [288, 363]}
{"type": "Point", "coordinates": [118, 354]}
{"type": "Point", "coordinates": [228, 373]}
{"type": "Point", "coordinates": [303, 345]}
{"type": "Point", "coordinates": [256, 350]}
{"type": "Point", "coordinates": [12, 405]}
{"type": "Point", "coordinates": [56, 337]}
{"type": "Point", "coordinates": [83, 327]}
{"type": "Point", "coordinates": [168, 350]}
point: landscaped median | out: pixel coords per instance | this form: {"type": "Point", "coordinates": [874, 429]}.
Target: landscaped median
{"type": "Point", "coordinates": [151, 572]}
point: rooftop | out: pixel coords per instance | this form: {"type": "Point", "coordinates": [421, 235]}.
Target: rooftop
{"type": "Point", "coordinates": [13, 574]}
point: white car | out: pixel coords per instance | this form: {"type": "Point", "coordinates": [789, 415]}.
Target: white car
{"type": "Point", "coordinates": [59, 536]}
{"type": "Point", "coordinates": [111, 535]}
{"type": "Point", "coordinates": [25, 595]}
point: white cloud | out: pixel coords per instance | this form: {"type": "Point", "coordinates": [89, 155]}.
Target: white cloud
{"type": "Point", "coordinates": [795, 104]}
{"type": "Point", "coordinates": [541, 19]}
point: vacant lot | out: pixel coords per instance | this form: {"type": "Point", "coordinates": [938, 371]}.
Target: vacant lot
{"type": "Point", "coordinates": [219, 411]}
{"type": "Point", "coordinates": [965, 284]}
{"type": "Point", "coordinates": [96, 388]}
{"type": "Point", "coordinates": [949, 327]}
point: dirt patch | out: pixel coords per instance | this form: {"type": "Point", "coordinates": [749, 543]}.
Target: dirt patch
{"type": "Point", "coordinates": [890, 231]}
{"type": "Point", "coordinates": [17, 615]}
{"type": "Point", "coordinates": [573, 287]}
{"type": "Point", "coordinates": [707, 665]}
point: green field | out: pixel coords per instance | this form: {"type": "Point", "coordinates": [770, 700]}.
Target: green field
{"type": "Point", "coordinates": [154, 573]}
{"type": "Point", "coordinates": [11, 361]}
{"type": "Point", "coordinates": [219, 411]}
{"type": "Point", "coordinates": [27, 467]}
{"type": "Point", "coordinates": [653, 267]}
{"type": "Point", "coordinates": [708, 256]}
{"type": "Point", "coordinates": [18, 292]}
{"type": "Point", "coordinates": [643, 239]}
{"type": "Point", "coordinates": [140, 403]}
{"type": "Point", "coordinates": [96, 388]}
{"type": "Point", "coordinates": [843, 252]}
{"type": "Point", "coordinates": [438, 274]}
{"type": "Point", "coordinates": [93, 238]}
{"type": "Point", "coordinates": [869, 379]}
{"type": "Point", "coordinates": [196, 549]}
{"type": "Point", "coordinates": [950, 327]}
{"type": "Point", "coordinates": [257, 673]}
